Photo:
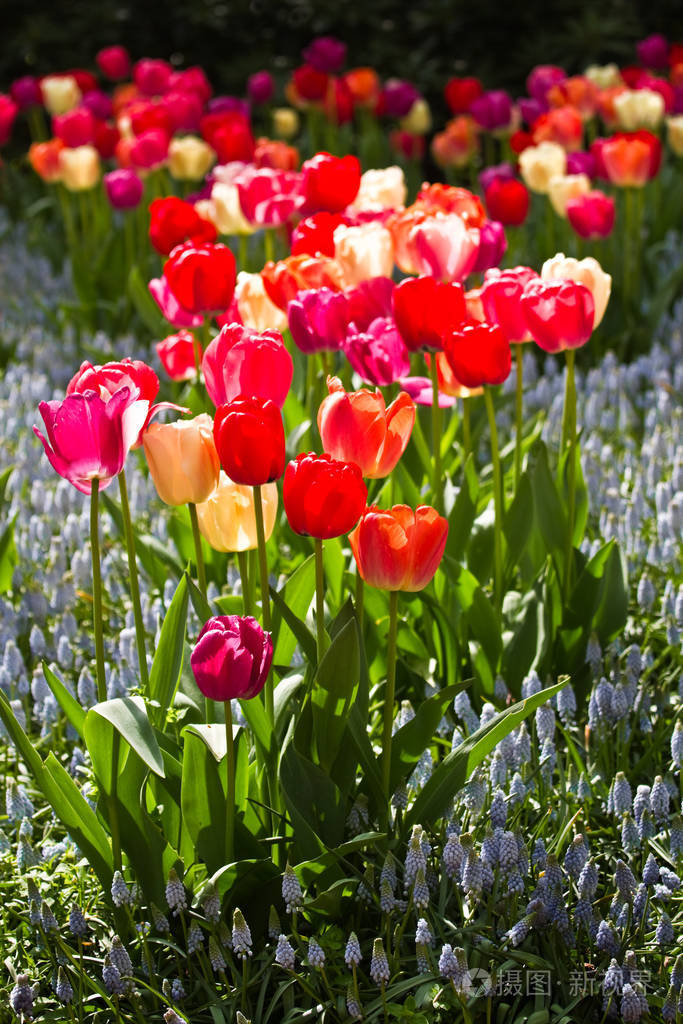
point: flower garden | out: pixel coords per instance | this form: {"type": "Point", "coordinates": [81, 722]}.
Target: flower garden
{"type": "Point", "coordinates": [341, 526]}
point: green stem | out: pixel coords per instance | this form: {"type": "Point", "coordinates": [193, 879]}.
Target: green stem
{"type": "Point", "coordinates": [243, 252]}
{"type": "Point", "coordinates": [134, 582]}
{"type": "Point", "coordinates": [247, 603]}
{"type": "Point", "coordinates": [466, 430]}
{"type": "Point", "coordinates": [436, 434]}
{"type": "Point", "coordinates": [497, 502]}
{"type": "Point", "coordinates": [265, 596]}
{"type": "Point", "coordinates": [519, 360]}
{"type": "Point", "coordinates": [196, 537]}
{"type": "Point", "coordinates": [569, 423]}
{"type": "Point", "coordinates": [549, 228]}
{"type": "Point", "coordinates": [268, 246]}
{"type": "Point", "coordinates": [319, 597]}
{"type": "Point", "coordinates": [360, 598]}
{"type": "Point", "coordinates": [97, 590]}
{"type": "Point", "coordinates": [230, 793]}
{"type": "Point", "coordinates": [390, 690]}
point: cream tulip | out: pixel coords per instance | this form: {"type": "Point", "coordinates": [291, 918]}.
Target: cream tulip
{"type": "Point", "coordinates": [60, 93]}
{"type": "Point", "coordinates": [638, 108]}
{"type": "Point", "coordinates": [381, 189]}
{"type": "Point", "coordinates": [189, 158]}
{"type": "Point", "coordinates": [587, 272]}
{"type": "Point", "coordinates": [363, 252]}
{"type": "Point", "coordinates": [182, 459]}
{"type": "Point", "coordinates": [255, 307]}
{"type": "Point", "coordinates": [80, 168]}
{"type": "Point", "coordinates": [227, 519]}
{"type": "Point", "coordinates": [565, 187]}
{"type": "Point", "coordinates": [538, 165]}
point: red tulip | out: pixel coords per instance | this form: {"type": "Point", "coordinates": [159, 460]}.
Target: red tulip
{"type": "Point", "coordinates": [314, 236]}
{"type": "Point", "coordinates": [398, 548]}
{"type": "Point", "coordinates": [310, 83]}
{"type": "Point", "coordinates": [559, 314]}
{"type": "Point", "coordinates": [172, 221]}
{"type": "Point", "coordinates": [152, 77]}
{"type": "Point", "coordinates": [478, 353]}
{"type": "Point", "coordinates": [330, 182]}
{"type": "Point", "coordinates": [177, 355]}
{"type": "Point", "coordinates": [501, 299]}
{"type": "Point", "coordinates": [250, 440]}
{"type": "Point", "coordinates": [369, 300]}
{"type": "Point", "coordinates": [507, 201]}
{"type": "Point", "coordinates": [357, 427]}
{"type": "Point", "coordinates": [461, 93]}
{"type": "Point", "coordinates": [285, 279]}
{"type": "Point", "coordinates": [425, 310]}
{"type": "Point", "coordinates": [8, 112]}
{"type": "Point", "coordinates": [323, 497]}
{"type": "Point", "coordinates": [232, 658]}
{"type": "Point", "coordinates": [202, 277]}
{"type": "Point", "coordinates": [592, 216]}
{"type": "Point", "coordinates": [229, 134]}
{"type": "Point", "coordinates": [240, 361]}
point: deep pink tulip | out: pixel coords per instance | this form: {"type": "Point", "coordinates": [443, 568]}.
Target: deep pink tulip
{"type": "Point", "coordinates": [531, 109]}
{"type": "Point", "coordinates": [559, 314]}
{"type": "Point", "coordinates": [8, 112]}
{"type": "Point", "coordinates": [170, 308]}
{"type": "Point", "coordinates": [76, 128]}
{"type": "Point", "coordinates": [318, 319]}
{"type": "Point", "coordinates": [149, 149]}
{"type": "Point", "coordinates": [592, 216]}
{"type": "Point", "coordinates": [397, 97]}
{"type": "Point", "coordinates": [581, 162]}
{"type": "Point", "coordinates": [99, 104]}
{"type": "Point", "coordinates": [492, 246]}
{"type": "Point", "coordinates": [260, 88]}
{"type": "Point", "coordinates": [241, 361]}
{"type": "Point", "coordinates": [124, 188]}
{"type": "Point", "coordinates": [192, 80]}
{"type": "Point", "coordinates": [232, 658]}
{"type": "Point", "coordinates": [269, 197]}
{"type": "Point", "coordinates": [184, 110]}
{"type": "Point", "coordinates": [326, 54]}
{"type": "Point", "coordinates": [421, 391]}
{"type": "Point", "coordinates": [177, 355]}
{"type": "Point", "coordinates": [653, 52]}
{"type": "Point", "coordinates": [444, 247]}
{"type": "Point", "coordinates": [88, 437]}
{"type": "Point", "coordinates": [501, 297]}
{"type": "Point", "coordinates": [542, 78]}
{"type": "Point", "coordinates": [378, 354]}
{"type": "Point", "coordinates": [26, 92]}
{"type": "Point", "coordinates": [369, 300]}
{"type": "Point", "coordinates": [114, 62]}
{"type": "Point", "coordinates": [492, 110]}
{"type": "Point", "coordinates": [152, 77]}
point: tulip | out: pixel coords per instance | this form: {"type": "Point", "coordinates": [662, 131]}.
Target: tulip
{"type": "Point", "coordinates": [182, 459]}
{"type": "Point", "coordinates": [628, 160]}
{"type": "Point", "coordinates": [380, 189]}
{"type": "Point", "coordinates": [44, 159]}
{"type": "Point", "coordinates": [326, 54]}
{"type": "Point", "coordinates": [227, 519]}
{"type": "Point", "coordinates": [329, 182]}
{"type": "Point", "coordinates": [276, 155]}
{"type": "Point", "coordinates": [444, 247]}
{"type": "Point", "coordinates": [268, 197]}
{"type": "Point", "coordinates": [581, 162]}
{"type": "Point", "coordinates": [152, 77]}
{"type": "Point", "coordinates": [75, 128]}
{"type": "Point", "coordinates": [425, 310]}
{"type": "Point", "coordinates": [79, 168]}
{"type": "Point", "coordinates": [260, 88]}
{"type": "Point", "coordinates": [418, 120]}
{"type": "Point", "coordinates": [241, 361]}
{"type": "Point", "coordinates": [507, 201]}
{"type": "Point", "coordinates": [587, 272]}
{"type": "Point", "coordinates": [314, 236]}
{"type": "Point", "coordinates": [114, 62]}
{"type": "Point", "coordinates": [397, 97]}
{"type": "Point", "coordinates": [592, 215]}
{"type": "Point", "coordinates": [492, 110]}
{"type": "Point", "coordinates": [364, 252]}
{"type": "Point", "coordinates": [318, 319]}
{"type": "Point", "coordinates": [559, 313]}
{"type": "Point", "coordinates": [492, 246]}
{"type": "Point", "coordinates": [641, 108]}
{"type": "Point", "coordinates": [323, 497]}
{"type": "Point", "coordinates": [226, 212]}
{"type": "Point", "coordinates": [60, 93]}
{"type": "Point", "coordinates": [170, 307]}
{"type": "Point", "coordinates": [397, 549]}
{"type": "Point", "coordinates": [250, 440]}
{"type": "Point", "coordinates": [149, 150]}
{"type": "Point", "coordinates": [358, 427]}
{"type": "Point", "coordinates": [460, 93]}
{"type": "Point", "coordinates": [561, 126]}
{"type": "Point", "coordinates": [285, 279]}
{"type": "Point", "coordinates": [124, 189]}
{"type": "Point", "coordinates": [564, 188]}
{"type": "Point", "coordinates": [25, 92]}
{"type": "Point", "coordinates": [285, 123]}
{"type": "Point", "coordinates": [542, 78]}
{"type": "Point", "coordinates": [99, 104]}
{"type": "Point", "coordinates": [478, 353]}
{"type": "Point", "coordinates": [458, 144]}
{"type": "Point", "coordinates": [178, 353]}
{"type": "Point", "coordinates": [106, 139]}
{"type": "Point", "coordinates": [377, 352]}
{"type": "Point", "coordinates": [369, 300]}
{"type": "Point", "coordinates": [202, 277]}
{"type": "Point", "coordinates": [653, 52]}
{"type": "Point", "coordinates": [674, 126]}
{"type": "Point", "coordinates": [539, 164]}
{"type": "Point", "coordinates": [255, 307]}
{"type": "Point", "coordinates": [231, 660]}
{"type": "Point", "coordinates": [604, 76]}
{"type": "Point", "coordinates": [439, 198]}
{"type": "Point", "coordinates": [309, 85]}
{"type": "Point", "coordinates": [189, 158]}
{"type": "Point", "coordinates": [530, 110]}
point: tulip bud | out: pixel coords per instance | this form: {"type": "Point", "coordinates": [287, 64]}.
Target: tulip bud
{"type": "Point", "coordinates": [285, 123]}
{"type": "Point", "coordinates": [538, 165]}
{"type": "Point", "coordinates": [182, 459]}
{"type": "Point", "coordinates": [323, 497]}
{"type": "Point", "coordinates": [79, 168]}
{"type": "Point", "coordinates": [399, 548]}
{"type": "Point", "coordinates": [124, 189]}
{"type": "Point", "coordinates": [189, 158]}
{"type": "Point", "coordinates": [232, 658]}
{"type": "Point", "coordinates": [60, 93]}
{"type": "Point", "coordinates": [227, 519]}
{"type": "Point", "coordinates": [250, 440]}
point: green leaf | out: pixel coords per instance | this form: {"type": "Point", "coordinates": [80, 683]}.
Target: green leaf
{"type": "Point", "coordinates": [334, 691]}
{"type": "Point", "coordinates": [168, 660]}
{"type": "Point", "coordinates": [610, 615]}
{"type": "Point", "coordinates": [290, 607]}
{"type": "Point", "coordinates": [550, 511]}
{"type": "Point", "coordinates": [199, 602]}
{"type": "Point", "coordinates": [525, 646]}
{"type": "Point", "coordinates": [580, 493]}
{"type": "Point", "coordinates": [149, 312]}
{"type": "Point", "coordinates": [8, 556]}
{"type": "Point", "coordinates": [283, 693]}
{"type": "Point", "coordinates": [74, 711]}
{"type": "Point", "coordinates": [481, 617]}
{"type": "Point", "coordinates": [409, 742]}
{"type": "Point", "coordinates": [519, 520]}
{"type": "Point", "coordinates": [155, 558]}
{"type": "Point", "coordinates": [313, 801]}
{"type": "Point", "coordinates": [335, 563]}
{"type": "Point", "coordinates": [4, 480]}
{"type": "Point", "coordinates": [452, 773]}
{"type": "Point", "coordinates": [128, 715]}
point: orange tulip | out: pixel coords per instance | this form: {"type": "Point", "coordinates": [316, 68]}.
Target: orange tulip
{"type": "Point", "coordinates": [182, 459]}
{"type": "Point", "coordinates": [398, 548]}
{"type": "Point", "coordinates": [440, 198]}
{"type": "Point", "coordinates": [627, 161]}
{"type": "Point", "coordinates": [357, 427]}
{"type": "Point", "coordinates": [364, 86]}
{"type": "Point", "coordinates": [283, 280]}
{"type": "Point", "coordinates": [44, 159]}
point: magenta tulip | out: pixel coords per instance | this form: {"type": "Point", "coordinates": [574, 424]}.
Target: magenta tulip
{"type": "Point", "coordinates": [318, 319]}
{"type": "Point", "coordinates": [378, 354]}
{"type": "Point", "coordinates": [232, 658]}
{"type": "Point", "coordinates": [492, 246]}
{"type": "Point", "coordinates": [124, 188]}
{"type": "Point", "coordinates": [241, 361]}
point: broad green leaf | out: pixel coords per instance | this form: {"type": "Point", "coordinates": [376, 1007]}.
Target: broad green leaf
{"type": "Point", "coordinates": [154, 557]}
{"type": "Point", "coordinates": [168, 659]}
{"type": "Point", "coordinates": [4, 480]}
{"type": "Point", "coordinates": [147, 309]}
{"type": "Point", "coordinates": [410, 741]}
{"type": "Point", "coordinates": [8, 556]}
{"type": "Point", "coordinates": [283, 693]}
{"type": "Point", "coordinates": [522, 650]}
{"type": "Point", "coordinates": [334, 691]}
{"type": "Point", "coordinates": [610, 615]}
{"type": "Point", "coordinates": [128, 715]}
{"type": "Point", "coordinates": [199, 602]}
{"type": "Point", "coordinates": [203, 795]}
{"type": "Point", "coordinates": [518, 523]}
{"type": "Point", "coordinates": [580, 494]}
{"type": "Point", "coordinates": [74, 711]}
{"type": "Point", "coordinates": [549, 508]}
{"type": "Point", "coordinates": [313, 801]}
{"type": "Point", "coordinates": [290, 607]}
{"type": "Point", "coordinates": [213, 736]}
{"type": "Point", "coordinates": [450, 775]}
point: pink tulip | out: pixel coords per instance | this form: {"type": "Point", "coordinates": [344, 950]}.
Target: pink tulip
{"type": "Point", "coordinates": [421, 390]}
{"type": "Point", "coordinates": [89, 437]}
{"type": "Point", "coordinates": [444, 247]}
{"type": "Point", "coordinates": [378, 354]}
{"type": "Point", "coordinates": [240, 361]}
{"type": "Point", "coordinates": [559, 314]}
{"type": "Point", "coordinates": [492, 246]}
{"type": "Point", "coordinates": [318, 319]}
{"type": "Point", "coordinates": [501, 298]}
{"type": "Point", "coordinates": [369, 300]}
{"type": "Point", "coordinates": [269, 197]}
{"type": "Point", "coordinates": [170, 307]}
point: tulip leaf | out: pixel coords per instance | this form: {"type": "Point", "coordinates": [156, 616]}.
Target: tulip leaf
{"type": "Point", "coordinates": [313, 800]}
{"type": "Point", "coordinates": [4, 480]}
{"type": "Point", "coordinates": [518, 523]}
{"type": "Point", "coordinates": [410, 741]}
{"type": "Point", "coordinates": [524, 648]}
{"type": "Point", "coordinates": [74, 711]}
{"type": "Point", "coordinates": [334, 691]}
{"type": "Point", "coordinates": [464, 512]}
{"type": "Point", "coordinates": [168, 660]}
{"type": "Point", "coordinates": [155, 558]}
{"type": "Point", "coordinates": [199, 602]}
{"type": "Point", "coordinates": [550, 510]}
{"type": "Point", "coordinates": [146, 307]}
{"type": "Point", "coordinates": [452, 773]}
{"type": "Point", "coordinates": [284, 691]}
{"type": "Point", "coordinates": [128, 715]}
{"type": "Point", "coordinates": [8, 556]}
{"type": "Point", "coordinates": [290, 607]}
{"type": "Point", "coordinates": [213, 736]}
{"type": "Point", "coordinates": [580, 493]}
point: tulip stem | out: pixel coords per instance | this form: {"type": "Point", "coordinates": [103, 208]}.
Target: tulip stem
{"type": "Point", "coordinates": [134, 582]}
{"type": "Point", "coordinates": [196, 536]}
{"type": "Point", "coordinates": [265, 596]}
{"type": "Point", "coordinates": [466, 430]}
{"type": "Point", "coordinates": [360, 599]}
{"type": "Point", "coordinates": [243, 252]}
{"type": "Point", "coordinates": [268, 245]}
{"type": "Point", "coordinates": [97, 590]}
{"type": "Point", "coordinates": [497, 502]}
{"type": "Point", "coordinates": [519, 362]}
{"type": "Point", "coordinates": [230, 792]}
{"type": "Point", "coordinates": [389, 692]}
{"type": "Point", "coordinates": [569, 439]}
{"type": "Point", "coordinates": [319, 597]}
{"type": "Point", "coordinates": [436, 433]}
{"type": "Point", "coordinates": [243, 561]}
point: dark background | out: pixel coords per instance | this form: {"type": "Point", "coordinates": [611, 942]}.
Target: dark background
{"type": "Point", "coordinates": [498, 40]}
